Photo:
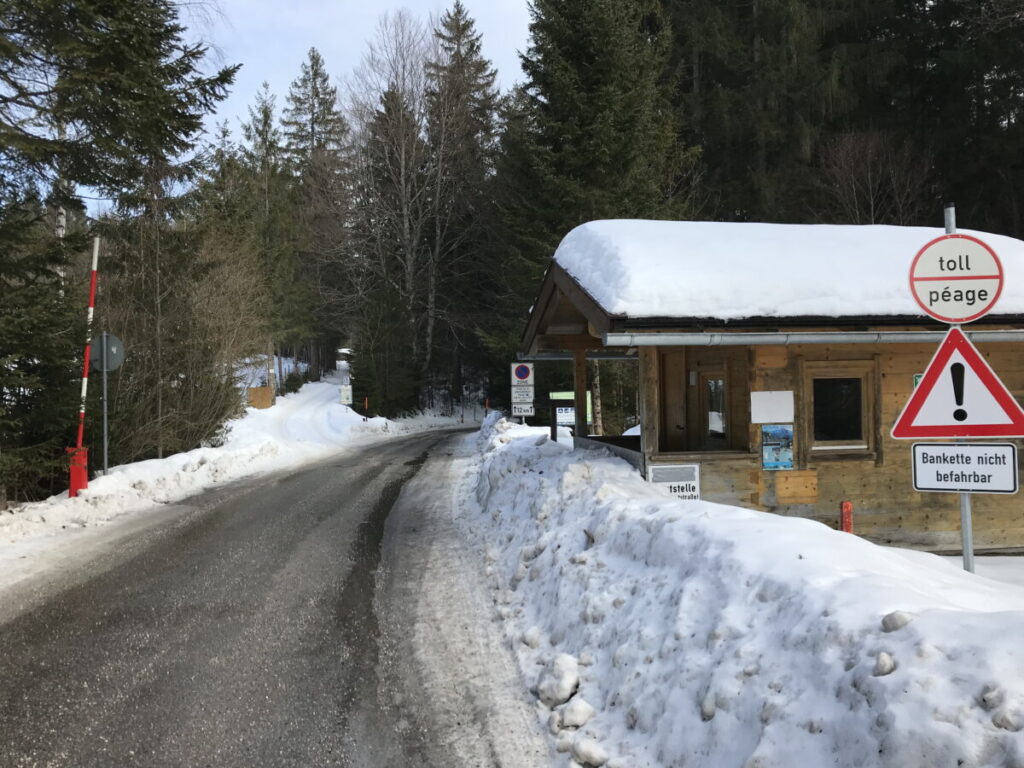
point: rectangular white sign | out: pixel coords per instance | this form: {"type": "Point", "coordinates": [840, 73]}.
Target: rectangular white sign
{"type": "Point", "coordinates": [522, 394]}
{"type": "Point", "coordinates": [683, 480]}
{"type": "Point", "coordinates": [521, 409]}
{"type": "Point", "coordinates": [565, 416]}
{"type": "Point", "coordinates": [965, 467]}
{"type": "Point", "coordinates": [771, 407]}
{"type": "Point", "coordinates": [522, 375]}
{"type": "Point", "coordinates": [346, 394]}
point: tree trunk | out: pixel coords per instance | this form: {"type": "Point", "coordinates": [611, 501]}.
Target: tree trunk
{"type": "Point", "coordinates": [595, 396]}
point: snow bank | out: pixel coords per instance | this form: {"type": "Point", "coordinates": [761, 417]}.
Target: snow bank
{"type": "Point", "coordinates": [729, 270]}
{"type": "Point", "coordinates": [304, 426]}
{"type": "Point", "coordinates": [708, 635]}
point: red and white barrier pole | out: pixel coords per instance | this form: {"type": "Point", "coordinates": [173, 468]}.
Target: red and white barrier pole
{"type": "Point", "coordinates": [79, 455]}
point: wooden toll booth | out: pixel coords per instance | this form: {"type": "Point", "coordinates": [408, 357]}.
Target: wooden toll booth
{"type": "Point", "coordinates": [776, 358]}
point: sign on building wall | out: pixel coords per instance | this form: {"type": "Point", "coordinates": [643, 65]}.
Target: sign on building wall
{"type": "Point", "coordinates": [681, 480]}
{"type": "Point", "coordinates": [777, 446]}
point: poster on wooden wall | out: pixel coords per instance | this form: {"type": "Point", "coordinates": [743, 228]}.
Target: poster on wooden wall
{"type": "Point", "coordinates": [776, 446]}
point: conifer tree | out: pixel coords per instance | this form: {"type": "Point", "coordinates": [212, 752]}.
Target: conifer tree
{"type": "Point", "coordinates": [462, 105]}
{"type": "Point", "coordinates": [274, 198]}
{"type": "Point", "coordinates": [312, 121]}
{"type": "Point", "coordinates": [93, 93]}
{"type": "Point", "coordinates": [315, 144]}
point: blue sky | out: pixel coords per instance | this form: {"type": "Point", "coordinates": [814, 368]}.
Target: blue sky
{"type": "Point", "coordinates": [271, 38]}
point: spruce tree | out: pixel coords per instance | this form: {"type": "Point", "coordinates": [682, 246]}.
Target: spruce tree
{"type": "Point", "coordinates": [94, 93]}
{"type": "Point", "coordinates": [591, 134]}
{"type": "Point", "coordinates": [315, 139]}
{"type": "Point", "coordinates": [274, 201]}
{"type": "Point", "coordinates": [312, 122]}
{"type": "Point", "coordinates": [462, 130]}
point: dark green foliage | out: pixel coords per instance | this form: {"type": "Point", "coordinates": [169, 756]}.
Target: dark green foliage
{"type": "Point", "coordinates": [41, 332]}
{"type": "Point", "coordinates": [92, 93]}
{"type": "Point", "coordinates": [591, 134]}
{"type": "Point", "coordinates": [91, 87]}
{"type": "Point", "coordinates": [462, 134]}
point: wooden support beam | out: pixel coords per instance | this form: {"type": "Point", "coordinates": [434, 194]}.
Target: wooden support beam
{"type": "Point", "coordinates": [558, 342]}
{"type": "Point", "coordinates": [649, 417]}
{"type": "Point", "coordinates": [580, 388]}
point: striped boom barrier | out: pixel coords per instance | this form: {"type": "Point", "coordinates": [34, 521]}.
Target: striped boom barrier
{"type": "Point", "coordinates": [79, 456]}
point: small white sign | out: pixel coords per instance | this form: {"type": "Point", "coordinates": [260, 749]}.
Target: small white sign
{"type": "Point", "coordinates": [522, 394]}
{"type": "Point", "coordinates": [682, 480]}
{"type": "Point", "coordinates": [565, 416]}
{"type": "Point", "coordinates": [773, 407]}
{"type": "Point", "coordinates": [522, 374]}
{"type": "Point", "coordinates": [519, 409]}
{"type": "Point", "coordinates": [346, 394]}
{"type": "Point", "coordinates": [965, 467]}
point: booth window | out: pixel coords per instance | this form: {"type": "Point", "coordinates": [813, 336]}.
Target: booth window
{"type": "Point", "coordinates": [840, 416]}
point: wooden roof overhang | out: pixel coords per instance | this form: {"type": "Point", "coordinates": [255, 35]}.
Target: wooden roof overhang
{"type": "Point", "coordinates": [565, 319]}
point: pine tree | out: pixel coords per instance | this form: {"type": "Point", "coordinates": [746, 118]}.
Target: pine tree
{"type": "Point", "coordinates": [315, 144]}
{"type": "Point", "coordinates": [312, 122]}
{"type": "Point", "coordinates": [91, 86]}
{"type": "Point", "coordinates": [763, 87]}
{"type": "Point", "coordinates": [462, 130]}
{"type": "Point", "coordinates": [94, 93]}
{"type": "Point", "coordinates": [274, 201]}
{"type": "Point", "coordinates": [40, 342]}
{"type": "Point", "coordinates": [591, 134]}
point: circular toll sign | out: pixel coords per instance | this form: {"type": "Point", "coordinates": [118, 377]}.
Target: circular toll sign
{"type": "Point", "coordinates": [956, 278]}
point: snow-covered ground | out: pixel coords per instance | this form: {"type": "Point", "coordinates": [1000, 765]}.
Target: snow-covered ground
{"type": "Point", "coordinates": [658, 632]}
{"type": "Point", "coordinates": [304, 426]}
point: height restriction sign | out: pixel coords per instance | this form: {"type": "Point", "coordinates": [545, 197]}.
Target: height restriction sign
{"type": "Point", "coordinates": [956, 278]}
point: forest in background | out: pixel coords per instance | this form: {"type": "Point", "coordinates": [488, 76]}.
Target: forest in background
{"type": "Point", "coordinates": [411, 215]}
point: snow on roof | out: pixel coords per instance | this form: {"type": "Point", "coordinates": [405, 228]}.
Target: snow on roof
{"type": "Point", "coordinates": [730, 270]}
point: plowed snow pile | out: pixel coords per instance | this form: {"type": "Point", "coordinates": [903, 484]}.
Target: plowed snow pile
{"type": "Point", "coordinates": [660, 632]}
{"type": "Point", "coordinates": [304, 426]}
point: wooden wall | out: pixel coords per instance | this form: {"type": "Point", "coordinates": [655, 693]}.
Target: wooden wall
{"type": "Point", "coordinates": [886, 507]}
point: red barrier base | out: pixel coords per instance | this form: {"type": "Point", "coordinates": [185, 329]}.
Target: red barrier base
{"type": "Point", "coordinates": [846, 516]}
{"type": "Point", "coordinates": [79, 470]}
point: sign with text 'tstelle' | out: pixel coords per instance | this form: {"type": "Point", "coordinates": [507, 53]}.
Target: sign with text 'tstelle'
{"type": "Point", "coordinates": [965, 467]}
{"type": "Point", "coordinates": [681, 480]}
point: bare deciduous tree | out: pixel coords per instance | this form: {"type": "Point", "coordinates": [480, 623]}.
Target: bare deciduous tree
{"type": "Point", "coordinates": [869, 178]}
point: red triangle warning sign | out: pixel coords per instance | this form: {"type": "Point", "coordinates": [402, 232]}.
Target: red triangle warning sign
{"type": "Point", "coordinates": [959, 396]}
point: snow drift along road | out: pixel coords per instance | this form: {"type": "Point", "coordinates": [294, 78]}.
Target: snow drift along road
{"type": "Point", "coordinates": [661, 632]}
{"type": "Point", "coordinates": [301, 427]}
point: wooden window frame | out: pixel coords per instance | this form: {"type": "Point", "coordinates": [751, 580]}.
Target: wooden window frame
{"type": "Point", "coordinates": [867, 372]}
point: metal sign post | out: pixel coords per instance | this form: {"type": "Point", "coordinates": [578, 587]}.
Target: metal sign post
{"type": "Point", "coordinates": [522, 390]}
{"type": "Point", "coordinates": [966, 516]}
{"type": "Point", "coordinates": [107, 355]}
{"type": "Point", "coordinates": [957, 279]}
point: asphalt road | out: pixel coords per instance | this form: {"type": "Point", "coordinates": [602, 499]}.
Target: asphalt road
{"type": "Point", "coordinates": [244, 633]}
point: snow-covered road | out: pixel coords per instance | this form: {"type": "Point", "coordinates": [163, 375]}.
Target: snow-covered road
{"type": "Point", "coordinates": [283, 622]}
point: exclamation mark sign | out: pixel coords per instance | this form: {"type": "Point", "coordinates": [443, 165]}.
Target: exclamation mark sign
{"type": "Point", "coordinates": [956, 370]}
